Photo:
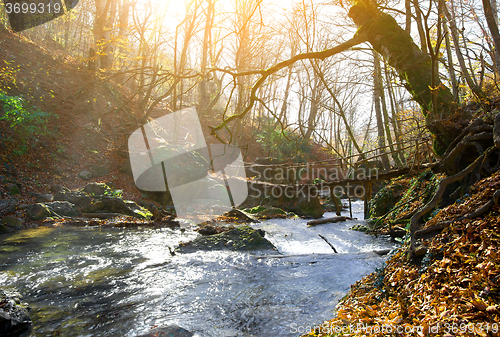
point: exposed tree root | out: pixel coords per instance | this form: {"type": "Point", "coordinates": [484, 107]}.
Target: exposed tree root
{"type": "Point", "coordinates": [480, 211]}
{"type": "Point", "coordinates": [476, 132]}
{"type": "Point", "coordinates": [438, 196]}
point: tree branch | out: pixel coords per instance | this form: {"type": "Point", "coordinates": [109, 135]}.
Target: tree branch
{"type": "Point", "coordinates": [321, 55]}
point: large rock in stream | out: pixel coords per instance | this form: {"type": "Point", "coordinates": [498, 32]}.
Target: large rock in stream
{"type": "Point", "coordinates": [117, 205]}
{"type": "Point", "coordinates": [242, 238]}
{"type": "Point", "coordinates": [14, 317]}
{"type": "Point", "coordinates": [168, 331]}
{"type": "Point", "coordinates": [41, 211]}
{"type": "Point", "coordinates": [308, 206]}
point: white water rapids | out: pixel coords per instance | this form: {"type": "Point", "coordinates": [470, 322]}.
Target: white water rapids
{"type": "Point", "coordinates": [122, 282]}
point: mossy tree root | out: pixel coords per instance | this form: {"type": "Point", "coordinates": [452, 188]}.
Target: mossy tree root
{"type": "Point", "coordinates": [438, 196]}
{"type": "Point", "coordinates": [480, 211]}
{"type": "Point", "coordinates": [475, 133]}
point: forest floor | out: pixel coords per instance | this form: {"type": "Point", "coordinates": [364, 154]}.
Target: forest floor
{"type": "Point", "coordinates": [81, 131]}
{"type": "Point", "coordinates": [452, 290]}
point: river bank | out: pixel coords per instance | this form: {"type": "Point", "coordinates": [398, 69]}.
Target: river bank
{"type": "Point", "coordinates": [450, 290]}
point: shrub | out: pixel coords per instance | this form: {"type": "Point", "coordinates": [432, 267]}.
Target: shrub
{"type": "Point", "coordinates": [28, 122]}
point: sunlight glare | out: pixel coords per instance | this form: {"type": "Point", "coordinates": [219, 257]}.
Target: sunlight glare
{"type": "Point", "coordinates": [177, 8]}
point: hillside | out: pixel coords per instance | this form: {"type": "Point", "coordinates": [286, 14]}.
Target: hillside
{"type": "Point", "coordinates": [452, 290]}
{"type": "Point", "coordinates": [69, 120]}
{"type": "Point", "coordinates": [84, 130]}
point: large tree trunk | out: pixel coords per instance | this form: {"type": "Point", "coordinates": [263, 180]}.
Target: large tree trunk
{"type": "Point", "coordinates": [414, 66]}
{"type": "Point", "coordinates": [377, 88]}
{"type": "Point", "coordinates": [492, 20]}
{"type": "Point", "coordinates": [103, 24]}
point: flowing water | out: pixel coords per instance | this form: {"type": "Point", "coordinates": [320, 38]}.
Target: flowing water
{"type": "Point", "coordinates": [122, 282]}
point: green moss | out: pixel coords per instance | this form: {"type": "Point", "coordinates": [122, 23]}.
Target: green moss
{"type": "Point", "coordinates": [266, 212]}
{"type": "Point", "coordinates": [403, 197]}
{"type": "Point", "coordinates": [273, 211]}
{"type": "Point", "coordinates": [143, 214]}
{"type": "Point", "coordinates": [386, 198]}
{"type": "Point", "coordinates": [255, 210]}
{"type": "Point", "coordinates": [359, 228]}
{"type": "Point", "coordinates": [28, 235]}
{"type": "Point", "coordinates": [241, 238]}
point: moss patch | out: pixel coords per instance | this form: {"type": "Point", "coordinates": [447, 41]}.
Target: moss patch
{"type": "Point", "coordinates": [243, 238]}
{"type": "Point", "coordinates": [28, 235]}
{"type": "Point", "coordinates": [402, 197]}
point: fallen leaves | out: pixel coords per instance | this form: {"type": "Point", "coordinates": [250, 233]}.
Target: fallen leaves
{"type": "Point", "coordinates": [453, 292]}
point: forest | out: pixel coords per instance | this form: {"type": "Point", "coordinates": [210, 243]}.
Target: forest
{"type": "Point", "coordinates": [213, 168]}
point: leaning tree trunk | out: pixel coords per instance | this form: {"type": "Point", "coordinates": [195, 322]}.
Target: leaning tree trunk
{"type": "Point", "coordinates": [414, 66]}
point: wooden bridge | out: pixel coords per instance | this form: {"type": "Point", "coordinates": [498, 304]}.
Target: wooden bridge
{"type": "Point", "coordinates": [326, 175]}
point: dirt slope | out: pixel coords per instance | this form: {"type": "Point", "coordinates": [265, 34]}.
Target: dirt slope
{"type": "Point", "coordinates": [87, 127]}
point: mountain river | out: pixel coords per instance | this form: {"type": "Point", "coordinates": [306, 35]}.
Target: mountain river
{"type": "Point", "coordinates": [121, 282]}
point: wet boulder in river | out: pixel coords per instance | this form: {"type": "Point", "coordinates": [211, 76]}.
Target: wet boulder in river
{"type": "Point", "coordinates": [241, 238]}
{"type": "Point", "coordinates": [41, 211]}
{"type": "Point", "coordinates": [117, 205]}
{"type": "Point", "coordinates": [168, 331]}
{"type": "Point", "coordinates": [79, 199]}
{"type": "Point", "coordinates": [14, 317]}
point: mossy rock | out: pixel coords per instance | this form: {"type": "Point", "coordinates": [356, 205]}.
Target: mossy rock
{"type": "Point", "coordinates": [15, 319]}
{"type": "Point", "coordinates": [242, 238]}
{"type": "Point", "coordinates": [255, 210]}
{"type": "Point", "coordinates": [12, 222]}
{"type": "Point", "coordinates": [360, 228]}
{"type": "Point", "coordinates": [79, 199]}
{"type": "Point", "coordinates": [239, 216]}
{"type": "Point", "coordinates": [41, 211]}
{"type": "Point", "coordinates": [386, 198]}
{"type": "Point", "coordinates": [13, 189]}
{"type": "Point", "coordinates": [267, 212]}
{"type": "Point", "coordinates": [117, 205]}
{"type": "Point", "coordinates": [308, 207]}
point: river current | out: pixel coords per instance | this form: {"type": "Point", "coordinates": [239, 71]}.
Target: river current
{"type": "Point", "coordinates": [121, 282]}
